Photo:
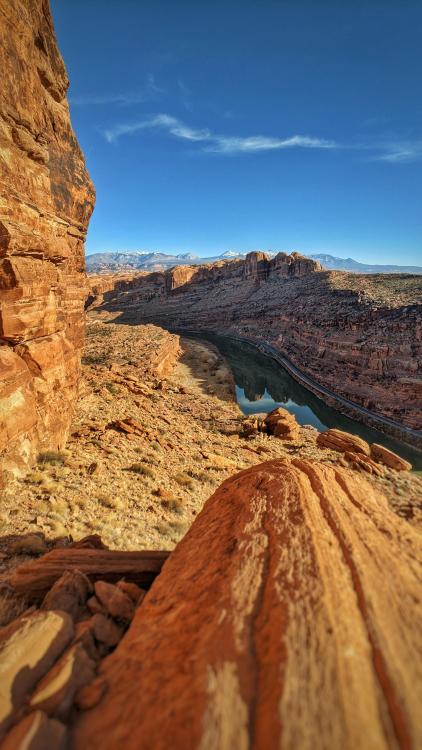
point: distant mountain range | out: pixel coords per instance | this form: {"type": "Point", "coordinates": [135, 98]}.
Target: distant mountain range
{"type": "Point", "coordinates": [349, 264]}
{"type": "Point", "coordinates": [129, 260]}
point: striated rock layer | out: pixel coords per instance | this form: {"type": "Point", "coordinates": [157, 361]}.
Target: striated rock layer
{"type": "Point", "coordinates": [359, 336]}
{"type": "Point", "coordinates": [287, 617]}
{"type": "Point", "coordinates": [46, 201]}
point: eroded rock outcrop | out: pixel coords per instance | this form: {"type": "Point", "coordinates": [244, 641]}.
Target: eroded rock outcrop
{"type": "Point", "coordinates": [287, 617]}
{"type": "Point", "coordinates": [47, 200]}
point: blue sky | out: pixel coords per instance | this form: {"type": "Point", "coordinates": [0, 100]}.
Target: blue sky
{"type": "Point", "coordinates": [210, 126]}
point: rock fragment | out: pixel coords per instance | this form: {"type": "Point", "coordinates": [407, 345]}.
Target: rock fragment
{"type": "Point", "coordinates": [337, 440]}
{"type": "Point", "coordinates": [116, 602]}
{"type": "Point", "coordinates": [69, 594]}
{"type": "Point", "coordinates": [36, 732]}
{"type": "Point", "coordinates": [389, 458]}
{"type": "Point", "coordinates": [55, 692]}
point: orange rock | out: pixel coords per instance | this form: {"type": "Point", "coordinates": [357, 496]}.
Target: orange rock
{"type": "Point", "coordinates": [337, 440]}
{"type": "Point", "coordinates": [43, 220]}
{"type": "Point", "coordinates": [287, 617]}
{"type": "Point", "coordinates": [388, 458]}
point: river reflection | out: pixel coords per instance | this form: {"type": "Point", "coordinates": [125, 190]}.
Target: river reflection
{"type": "Point", "coordinates": [262, 385]}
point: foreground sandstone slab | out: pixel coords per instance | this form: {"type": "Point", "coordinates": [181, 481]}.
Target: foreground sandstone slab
{"type": "Point", "coordinates": [288, 617]}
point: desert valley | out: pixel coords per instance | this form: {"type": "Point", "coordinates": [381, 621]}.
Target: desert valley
{"type": "Point", "coordinates": [211, 488]}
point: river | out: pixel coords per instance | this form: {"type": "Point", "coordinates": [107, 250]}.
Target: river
{"type": "Point", "coordinates": [263, 385]}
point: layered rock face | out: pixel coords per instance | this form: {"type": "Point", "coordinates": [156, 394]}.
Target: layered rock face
{"type": "Point", "coordinates": [359, 336]}
{"type": "Point", "coordinates": [46, 202]}
{"type": "Point", "coordinates": [248, 640]}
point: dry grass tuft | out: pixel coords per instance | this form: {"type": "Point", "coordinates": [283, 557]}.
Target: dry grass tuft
{"type": "Point", "coordinates": [183, 479]}
{"type": "Point", "coordinates": [142, 469]}
{"type": "Point", "coordinates": [52, 458]}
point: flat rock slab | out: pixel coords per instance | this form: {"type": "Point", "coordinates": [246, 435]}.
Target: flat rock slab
{"type": "Point", "coordinates": [288, 617]}
{"type": "Point", "coordinates": [28, 648]}
{"type": "Point", "coordinates": [35, 578]}
{"type": "Point", "coordinates": [36, 732]}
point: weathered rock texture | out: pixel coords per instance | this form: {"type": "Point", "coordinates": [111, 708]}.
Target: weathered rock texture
{"type": "Point", "coordinates": [45, 205]}
{"type": "Point", "coordinates": [288, 617]}
{"type": "Point", "coordinates": [359, 336]}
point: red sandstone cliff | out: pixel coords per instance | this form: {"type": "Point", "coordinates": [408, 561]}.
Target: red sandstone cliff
{"type": "Point", "coordinates": [46, 201]}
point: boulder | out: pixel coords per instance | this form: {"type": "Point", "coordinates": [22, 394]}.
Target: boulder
{"type": "Point", "coordinates": [384, 456]}
{"type": "Point", "coordinates": [336, 440]}
{"type": "Point", "coordinates": [287, 617]}
{"type": "Point", "coordinates": [282, 424]}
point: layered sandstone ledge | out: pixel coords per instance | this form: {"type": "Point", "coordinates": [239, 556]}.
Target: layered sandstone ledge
{"type": "Point", "coordinates": [47, 200]}
{"type": "Point", "coordinates": [358, 336]}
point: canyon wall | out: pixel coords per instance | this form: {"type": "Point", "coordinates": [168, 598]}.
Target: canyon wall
{"type": "Point", "coordinates": [46, 201]}
{"type": "Point", "coordinates": [360, 336]}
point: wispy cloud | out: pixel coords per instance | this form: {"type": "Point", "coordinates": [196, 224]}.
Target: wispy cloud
{"type": "Point", "coordinates": [377, 149]}
{"type": "Point", "coordinates": [215, 143]}
{"type": "Point", "coordinates": [185, 94]}
{"type": "Point", "coordinates": [401, 152]}
{"type": "Point", "coordinates": [149, 91]}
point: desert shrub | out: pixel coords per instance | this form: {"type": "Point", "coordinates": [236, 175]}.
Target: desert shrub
{"type": "Point", "coordinates": [53, 458]}
{"type": "Point", "coordinates": [142, 469]}
{"type": "Point", "coordinates": [95, 359]}
{"type": "Point", "coordinates": [174, 504]}
{"type": "Point", "coordinates": [183, 479]}
{"type": "Point", "coordinates": [113, 389]}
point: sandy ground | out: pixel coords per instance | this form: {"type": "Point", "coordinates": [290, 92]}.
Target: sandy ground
{"type": "Point", "coordinates": [143, 489]}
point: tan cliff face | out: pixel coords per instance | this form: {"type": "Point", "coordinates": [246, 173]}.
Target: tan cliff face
{"type": "Point", "coordinates": [359, 336]}
{"type": "Point", "coordinates": [46, 202]}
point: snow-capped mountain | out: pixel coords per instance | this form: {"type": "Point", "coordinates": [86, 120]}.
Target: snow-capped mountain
{"type": "Point", "coordinates": [129, 260]}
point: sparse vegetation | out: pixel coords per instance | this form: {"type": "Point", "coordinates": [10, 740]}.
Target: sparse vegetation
{"type": "Point", "coordinates": [95, 359]}
{"type": "Point", "coordinates": [183, 479]}
{"type": "Point", "coordinates": [53, 458]}
{"type": "Point", "coordinates": [142, 469]}
{"type": "Point", "coordinates": [174, 504]}
{"type": "Point", "coordinates": [113, 389]}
